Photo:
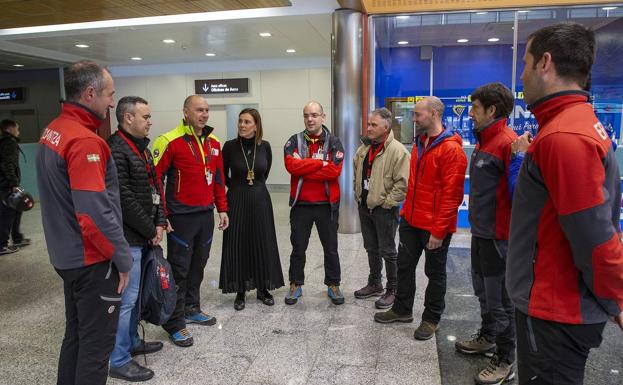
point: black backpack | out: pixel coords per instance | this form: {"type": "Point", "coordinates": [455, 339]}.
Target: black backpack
{"type": "Point", "coordinates": [158, 295]}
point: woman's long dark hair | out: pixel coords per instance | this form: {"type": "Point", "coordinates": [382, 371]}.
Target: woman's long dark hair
{"type": "Point", "coordinates": [255, 114]}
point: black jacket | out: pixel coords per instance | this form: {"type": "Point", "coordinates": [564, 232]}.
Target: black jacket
{"type": "Point", "coordinates": [140, 215]}
{"type": "Point", "coordinates": [9, 162]}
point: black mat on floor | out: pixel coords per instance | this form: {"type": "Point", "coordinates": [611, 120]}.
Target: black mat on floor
{"type": "Point", "coordinates": [462, 318]}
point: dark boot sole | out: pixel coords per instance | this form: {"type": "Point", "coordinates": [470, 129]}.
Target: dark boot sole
{"type": "Point", "coordinates": [488, 353]}
{"type": "Point", "coordinates": [291, 301]}
{"type": "Point", "coordinates": [509, 378]}
{"type": "Point", "coordinates": [337, 301]}
{"type": "Point", "coordinates": [184, 344]}
{"type": "Point", "coordinates": [369, 295]}
{"type": "Point", "coordinates": [376, 305]}
{"type": "Point", "coordinates": [420, 337]}
{"type": "Point", "coordinates": [130, 379]}
{"type": "Point", "coordinates": [403, 320]}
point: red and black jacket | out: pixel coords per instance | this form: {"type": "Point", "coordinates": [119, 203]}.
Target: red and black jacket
{"type": "Point", "coordinates": [565, 260]}
{"type": "Point", "coordinates": [489, 195]}
{"type": "Point", "coordinates": [79, 193]}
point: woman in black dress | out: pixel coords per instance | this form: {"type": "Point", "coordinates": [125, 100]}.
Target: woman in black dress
{"type": "Point", "coordinates": [250, 255]}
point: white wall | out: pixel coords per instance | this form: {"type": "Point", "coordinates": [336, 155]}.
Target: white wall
{"type": "Point", "coordinates": [280, 94]}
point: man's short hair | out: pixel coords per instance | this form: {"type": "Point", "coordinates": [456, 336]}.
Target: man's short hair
{"type": "Point", "coordinates": [5, 124]}
{"type": "Point", "coordinates": [434, 103]}
{"type": "Point", "coordinates": [572, 47]}
{"type": "Point", "coordinates": [80, 75]}
{"type": "Point", "coordinates": [127, 104]}
{"type": "Point", "coordinates": [495, 94]}
{"type": "Point", "coordinates": [384, 114]}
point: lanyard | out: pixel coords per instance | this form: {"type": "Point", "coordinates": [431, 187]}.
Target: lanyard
{"type": "Point", "coordinates": [143, 157]}
{"type": "Point", "coordinates": [203, 155]}
{"type": "Point", "coordinates": [371, 156]}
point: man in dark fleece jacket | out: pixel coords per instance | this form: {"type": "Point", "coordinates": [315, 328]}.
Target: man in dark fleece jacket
{"type": "Point", "coordinates": [9, 182]}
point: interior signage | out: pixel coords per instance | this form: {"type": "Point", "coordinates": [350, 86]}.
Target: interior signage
{"type": "Point", "coordinates": [8, 95]}
{"type": "Point", "coordinates": [222, 86]}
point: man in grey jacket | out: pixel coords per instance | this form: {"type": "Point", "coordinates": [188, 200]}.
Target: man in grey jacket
{"type": "Point", "coordinates": [381, 174]}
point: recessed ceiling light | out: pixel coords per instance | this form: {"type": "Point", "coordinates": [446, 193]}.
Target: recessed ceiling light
{"type": "Point", "coordinates": [168, 41]}
{"type": "Point", "coordinates": [481, 13]}
{"type": "Point", "coordinates": [523, 11]}
{"type": "Point", "coordinates": [403, 17]}
{"type": "Point", "coordinates": [291, 50]}
{"type": "Point", "coordinates": [462, 40]}
{"type": "Point", "coordinates": [82, 45]}
{"type": "Point", "coordinates": [609, 8]}
{"type": "Point", "coordinates": [493, 39]}
{"type": "Point", "coordinates": [18, 65]}
{"type": "Point", "coordinates": [403, 42]}
{"type": "Point", "coordinates": [210, 54]}
{"type": "Point", "coordinates": [136, 58]}
{"type": "Point", "coordinates": [265, 34]}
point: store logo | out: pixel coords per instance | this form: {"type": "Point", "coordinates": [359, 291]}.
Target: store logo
{"type": "Point", "coordinates": [458, 110]}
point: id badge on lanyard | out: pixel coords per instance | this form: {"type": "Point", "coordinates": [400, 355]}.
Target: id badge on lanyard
{"type": "Point", "coordinates": [318, 155]}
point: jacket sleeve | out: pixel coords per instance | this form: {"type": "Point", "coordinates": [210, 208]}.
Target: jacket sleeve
{"type": "Point", "coordinates": [10, 162]}
{"type": "Point", "coordinates": [161, 215]}
{"type": "Point", "coordinates": [298, 167]}
{"type": "Point", "coordinates": [400, 177]}
{"type": "Point", "coordinates": [88, 162]}
{"type": "Point", "coordinates": [333, 169]}
{"type": "Point", "coordinates": [412, 171]}
{"type": "Point", "coordinates": [269, 159]}
{"type": "Point", "coordinates": [453, 165]}
{"type": "Point", "coordinates": [574, 171]}
{"type": "Point", "coordinates": [134, 216]}
{"type": "Point", "coordinates": [220, 195]}
{"type": "Point", "coordinates": [162, 156]}
{"type": "Point", "coordinates": [513, 171]}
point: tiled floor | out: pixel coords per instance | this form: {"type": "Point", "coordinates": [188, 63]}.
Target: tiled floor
{"type": "Point", "coordinates": [312, 342]}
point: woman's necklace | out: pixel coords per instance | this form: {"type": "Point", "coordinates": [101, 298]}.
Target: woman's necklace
{"type": "Point", "coordinates": [250, 170]}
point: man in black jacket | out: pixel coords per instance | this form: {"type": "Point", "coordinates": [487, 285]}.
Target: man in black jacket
{"type": "Point", "coordinates": [9, 182]}
{"type": "Point", "coordinates": [143, 224]}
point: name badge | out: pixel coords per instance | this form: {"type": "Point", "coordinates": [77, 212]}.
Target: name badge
{"type": "Point", "coordinates": [155, 199]}
{"type": "Point", "coordinates": [366, 185]}
{"type": "Point", "coordinates": [215, 151]}
{"type": "Point", "coordinates": [318, 155]}
{"type": "Point", "coordinates": [209, 177]}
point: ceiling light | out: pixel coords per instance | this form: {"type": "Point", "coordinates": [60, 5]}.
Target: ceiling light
{"type": "Point", "coordinates": [18, 65]}
{"type": "Point", "coordinates": [136, 58]}
{"type": "Point", "coordinates": [493, 39]}
{"type": "Point", "coordinates": [481, 13]}
{"type": "Point", "coordinates": [523, 11]}
{"type": "Point", "coordinates": [168, 41]}
{"type": "Point", "coordinates": [82, 45]}
{"type": "Point", "coordinates": [609, 8]}
{"type": "Point", "coordinates": [462, 40]}
{"type": "Point", "coordinates": [210, 54]}
{"type": "Point", "coordinates": [265, 34]}
{"type": "Point", "coordinates": [403, 17]}
{"type": "Point", "coordinates": [403, 42]}
{"type": "Point", "coordinates": [291, 50]}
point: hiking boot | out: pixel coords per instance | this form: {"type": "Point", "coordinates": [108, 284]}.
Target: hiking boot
{"type": "Point", "coordinates": [335, 294]}
{"type": "Point", "coordinates": [200, 318]}
{"type": "Point", "coordinates": [293, 294]}
{"type": "Point", "coordinates": [425, 331]}
{"type": "Point", "coordinates": [369, 291]}
{"type": "Point", "coordinates": [387, 300]}
{"type": "Point", "coordinates": [8, 250]}
{"type": "Point", "coordinates": [146, 347]}
{"type": "Point", "coordinates": [390, 316]}
{"type": "Point", "coordinates": [22, 242]}
{"type": "Point", "coordinates": [266, 298]}
{"type": "Point", "coordinates": [477, 345]}
{"type": "Point", "coordinates": [497, 372]}
{"type": "Point", "coordinates": [182, 338]}
{"type": "Point", "coordinates": [132, 372]}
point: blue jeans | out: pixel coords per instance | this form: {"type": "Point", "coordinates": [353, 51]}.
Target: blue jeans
{"type": "Point", "coordinates": [127, 333]}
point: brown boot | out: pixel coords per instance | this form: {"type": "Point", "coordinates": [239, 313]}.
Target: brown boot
{"type": "Point", "coordinates": [387, 300]}
{"type": "Point", "coordinates": [425, 331]}
{"type": "Point", "coordinates": [369, 291]}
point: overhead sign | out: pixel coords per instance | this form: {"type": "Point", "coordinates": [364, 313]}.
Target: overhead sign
{"type": "Point", "coordinates": [8, 95]}
{"type": "Point", "coordinates": [222, 86]}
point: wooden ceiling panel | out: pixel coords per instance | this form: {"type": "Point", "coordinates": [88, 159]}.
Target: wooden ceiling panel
{"type": "Point", "coordinates": [404, 6]}
{"type": "Point", "coordinates": [29, 13]}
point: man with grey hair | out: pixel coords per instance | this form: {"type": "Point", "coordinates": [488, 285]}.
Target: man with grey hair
{"type": "Point", "coordinates": [429, 216]}
{"type": "Point", "coordinates": [381, 175]}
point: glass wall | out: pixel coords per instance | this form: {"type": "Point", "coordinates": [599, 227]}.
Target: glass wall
{"type": "Point", "coordinates": [450, 54]}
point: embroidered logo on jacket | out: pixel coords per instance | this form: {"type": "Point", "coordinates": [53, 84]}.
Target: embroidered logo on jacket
{"type": "Point", "coordinates": [51, 136]}
{"type": "Point", "coordinates": [93, 157]}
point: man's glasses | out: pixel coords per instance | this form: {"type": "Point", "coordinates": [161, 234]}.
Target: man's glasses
{"type": "Point", "coordinates": [315, 116]}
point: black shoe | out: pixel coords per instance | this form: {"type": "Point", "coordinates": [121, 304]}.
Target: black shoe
{"type": "Point", "coordinates": [146, 347]}
{"type": "Point", "coordinates": [266, 298]}
{"type": "Point", "coordinates": [8, 250]}
{"type": "Point", "coordinates": [132, 372]}
{"type": "Point", "coordinates": [22, 242]}
{"type": "Point", "coordinates": [239, 301]}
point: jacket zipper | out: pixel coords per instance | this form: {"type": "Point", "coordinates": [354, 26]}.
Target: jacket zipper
{"type": "Point", "coordinates": [179, 180]}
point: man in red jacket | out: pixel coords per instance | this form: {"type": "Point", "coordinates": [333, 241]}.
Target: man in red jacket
{"type": "Point", "coordinates": [564, 271]}
{"type": "Point", "coordinates": [429, 215]}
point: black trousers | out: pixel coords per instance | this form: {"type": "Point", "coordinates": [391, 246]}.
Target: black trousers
{"type": "Point", "coordinates": [10, 220]}
{"type": "Point", "coordinates": [378, 229]}
{"type": "Point", "coordinates": [412, 242]}
{"type": "Point", "coordinates": [188, 249]}
{"type": "Point", "coordinates": [552, 353]}
{"type": "Point", "coordinates": [91, 311]}
{"type": "Point", "coordinates": [496, 309]}
{"type": "Point", "coordinates": [302, 218]}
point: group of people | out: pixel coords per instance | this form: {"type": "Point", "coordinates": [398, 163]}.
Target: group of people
{"type": "Point", "coordinates": [533, 216]}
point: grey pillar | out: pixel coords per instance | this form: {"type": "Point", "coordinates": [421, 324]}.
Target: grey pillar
{"type": "Point", "coordinates": [347, 66]}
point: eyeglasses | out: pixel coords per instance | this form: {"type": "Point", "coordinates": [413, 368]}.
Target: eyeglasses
{"type": "Point", "coordinates": [315, 116]}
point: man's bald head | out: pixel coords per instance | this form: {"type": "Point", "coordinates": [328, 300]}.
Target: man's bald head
{"type": "Point", "coordinates": [427, 115]}
{"type": "Point", "coordinates": [314, 104]}
{"type": "Point", "coordinates": [434, 103]}
{"type": "Point", "coordinates": [313, 117]}
{"type": "Point", "coordinates": [189, 100]}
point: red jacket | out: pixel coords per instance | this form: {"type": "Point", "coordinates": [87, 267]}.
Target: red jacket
{"type": "Point", "coordinates": [436, 178]}
{"type": "Point", "coordinates": [193, 168]}
{"type": "Point", "coordinates": [565, 259]}
{"type": "Point", "coordinates": [311, 183]}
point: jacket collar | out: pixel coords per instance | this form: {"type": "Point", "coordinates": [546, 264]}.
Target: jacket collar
{"type": "Point", "coordinates": [324, 134]}
{"type": "Point", "coordinates": [547, 108]}
{"type": "Point", "coordinates": [443, 136]}
{"type": "Point", "coordinates": [491, 130]}
{"type": "Point", "coordinates": [207, 130]}
{"type": "Point", "coordinates": [141, 144]}
{"type": "Point", "coordinates": [82, 115]}
{"type": "Point", "coordinates": [388, 140]}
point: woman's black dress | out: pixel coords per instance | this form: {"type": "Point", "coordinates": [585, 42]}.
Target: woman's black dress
{"type": "Point", "coordinates": [250, 257]}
